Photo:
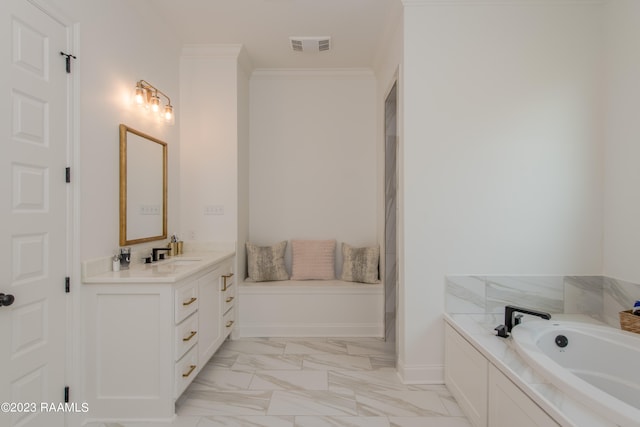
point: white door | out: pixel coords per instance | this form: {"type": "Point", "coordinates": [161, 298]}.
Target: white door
{"type": "Point", "coordinates": [34, 235]}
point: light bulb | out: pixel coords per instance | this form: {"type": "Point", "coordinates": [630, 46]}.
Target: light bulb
{"type": "Point", "coordinates": [155, 103]}
{"type": "Point", "coordinates": [168, 112]}
{"type": "Point", "coordinates": [139, 96]}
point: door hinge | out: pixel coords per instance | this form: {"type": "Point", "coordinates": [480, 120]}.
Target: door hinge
{"type": "Point", "coordinates": [68, 57]}
{"type": "Point", "coordinates": [66, 394]}
{"type": "Point", "coordinates": [67, 285]}
{"type": "Point", "coordinates": [67, 174]}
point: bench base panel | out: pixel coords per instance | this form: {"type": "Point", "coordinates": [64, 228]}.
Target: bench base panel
{"type": "Point", "coordinates": [310, 309]}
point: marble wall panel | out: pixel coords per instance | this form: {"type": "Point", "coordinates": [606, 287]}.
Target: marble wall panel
{"type": "Point", "coordinates": [596, 296]}
{"type": "Point", "coordinates": [465, 294]}
{"type": "Point", "coordinates": [537, 292]}
{"type": "Point", "coordinates": [583, 295]}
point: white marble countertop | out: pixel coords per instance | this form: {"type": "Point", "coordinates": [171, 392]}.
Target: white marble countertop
{"type": "Point", "coordinates": [478, 330]}
{"type": "Point", "coordinates": [170, 270]}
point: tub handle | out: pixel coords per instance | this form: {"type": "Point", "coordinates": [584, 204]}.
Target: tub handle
{"type": "Point", "coordinates": [517, 319]}
{"type": "Point", "coordinates": [502, 331]}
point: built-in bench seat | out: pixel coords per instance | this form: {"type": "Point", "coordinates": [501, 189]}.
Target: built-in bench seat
{"type": "Point", "coordinates": [310, 308]}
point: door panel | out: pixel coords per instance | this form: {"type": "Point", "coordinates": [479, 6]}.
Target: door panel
{"type": "Point", "coordinates": [34, 143]}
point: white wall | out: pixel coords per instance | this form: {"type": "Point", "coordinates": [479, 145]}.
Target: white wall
{"type": "Point", "coordinates": [501, 170]}
{"type": "Point", "coordinates": [622, 150]}
{"type": "Point", "coordinates": [120, 43]}
{"type": "Point", "coordinates": [209, 159]}
{"type": "Point", "coordinates": [313, 157]}
{"type": "Point", "coordinates": [244, 128]}
{"type": "Point", "coordinates": [387, 67]}
{"type": "Point", "coordinates": [502, 157]}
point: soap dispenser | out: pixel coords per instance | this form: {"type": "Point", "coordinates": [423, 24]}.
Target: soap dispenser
{"type": "Point", "coordinates": [125, 258]}
{"type": "Point", "coordinates": [173, 246]}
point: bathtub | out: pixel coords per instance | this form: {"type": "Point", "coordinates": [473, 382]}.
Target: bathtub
{"type": "Point", "coordinates": [599, 365]}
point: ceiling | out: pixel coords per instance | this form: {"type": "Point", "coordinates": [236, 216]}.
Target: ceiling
{"type": "Point", "coordinates": [356, 27]}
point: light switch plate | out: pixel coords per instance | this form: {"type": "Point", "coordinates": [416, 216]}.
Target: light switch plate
{"type": "Point", "coordinates": [214, 210]}
{"type": "Point", "coordinates": [150, 210]}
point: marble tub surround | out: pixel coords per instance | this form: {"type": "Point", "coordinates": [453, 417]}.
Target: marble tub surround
{"type": "Point", "coordinates": [477, 329]}
{"type": "Point", "coordinates": [543, 293]}
{"type": "Point", "coordinates": [596, 296]}
{"type": "Point", "coordinates": [586, 295]}
{"type": "Point", "coordinates": [619, 295]}
{"type": "Point", "coordinates": [314, 382]}
{"type": "Point", "coordinates": [465, 294]}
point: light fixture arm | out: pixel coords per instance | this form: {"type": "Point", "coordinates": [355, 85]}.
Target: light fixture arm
{"type": "Point", "coordinates": [143, 84]}
{"type": "Point", "coordinates": [146, 95]}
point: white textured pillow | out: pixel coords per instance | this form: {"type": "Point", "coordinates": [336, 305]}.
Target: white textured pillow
{"type": "Point", "coordinates": [266, 263]}
{"type": "Point", "coordinates": [360, 264]}
{"type": "Point", "coordinates": [313, 259]}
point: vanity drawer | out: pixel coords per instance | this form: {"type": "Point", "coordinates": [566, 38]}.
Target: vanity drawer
{"type": "Point", "coordinates": [186, 335]}
{"type": "Point", "coordinates": [186, 370]}
{"type": "Point", "coordinates": [228, 320]}
{"type": "Point", "coordinates": [186, 301]}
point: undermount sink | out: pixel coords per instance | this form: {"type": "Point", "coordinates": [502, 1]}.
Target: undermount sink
{"type": "Point", "coordinates": [184, 261]}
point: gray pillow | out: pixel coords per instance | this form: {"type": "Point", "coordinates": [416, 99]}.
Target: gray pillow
{"type": "Point", "coordinates": [360, 264]}
{"type": "Point", "coordinates": [266, 263]}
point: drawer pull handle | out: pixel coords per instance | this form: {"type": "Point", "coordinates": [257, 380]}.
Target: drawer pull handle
{"type": "Point", "coordinates": [229, 299]}
{"type": "Point", "coordinates": [191, 369]}
{"type": "Point", "coordinates": [191, 335]}
{"type": "Point", "coordinates": [229, 323]}
{"type": "Point", "coordinates": [191, 301]}
{"type": "Point", "coordinates": [224, 279]}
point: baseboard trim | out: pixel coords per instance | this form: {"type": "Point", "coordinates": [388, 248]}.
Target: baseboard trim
{"type": "Point", "coordinates": [420, 374]}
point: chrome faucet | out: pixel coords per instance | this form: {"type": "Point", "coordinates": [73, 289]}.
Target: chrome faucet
{"type": "Point", "coordinates": [510, 321]}
{"type": "Point", "coordinates": [154, 253]}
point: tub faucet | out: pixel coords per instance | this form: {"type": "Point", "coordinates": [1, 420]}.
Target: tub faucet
{"type": "Point", "coordinates": [510, 322]}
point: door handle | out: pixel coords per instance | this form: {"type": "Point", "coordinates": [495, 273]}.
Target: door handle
{"type": "Point", "coordinates": [7, 299]}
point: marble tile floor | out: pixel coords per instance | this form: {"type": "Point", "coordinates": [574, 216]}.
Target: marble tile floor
{"type": "Point", "coordinates": [309, 382]}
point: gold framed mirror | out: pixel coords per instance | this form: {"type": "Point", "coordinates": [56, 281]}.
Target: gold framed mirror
{"type": "Point", "coordinates": [143, 187]}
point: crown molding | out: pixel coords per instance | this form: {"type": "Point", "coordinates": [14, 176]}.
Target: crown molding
{"type": "Point", "coordinates": [244, 61]}
{"type": "Point", "coordinates": [211, 50]}
{"type": "Point", "coordinates": [312, 73]}
{"type": "Point", "coordinates": [222, 51]}
{"type": "Point", "coordinates": [411, 3]}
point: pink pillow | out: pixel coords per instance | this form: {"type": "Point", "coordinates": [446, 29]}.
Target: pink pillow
{"type": "Point", "coordinates": [313, 259]}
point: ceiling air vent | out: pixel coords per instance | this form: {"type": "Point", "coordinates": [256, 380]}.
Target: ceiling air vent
{"type": "Point", "coordinates": [310, 44]}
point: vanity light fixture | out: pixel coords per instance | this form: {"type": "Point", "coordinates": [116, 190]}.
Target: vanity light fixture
{"type": "Point", "coordinates": [148, 96]}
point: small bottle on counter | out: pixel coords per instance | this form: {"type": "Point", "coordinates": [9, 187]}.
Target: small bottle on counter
{"type": "Point", "coordinates": [173, 246]}
{"type": "Point", "coordinates": [116, 262]}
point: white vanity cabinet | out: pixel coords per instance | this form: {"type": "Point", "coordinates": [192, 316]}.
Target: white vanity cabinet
{"type": "Point", "coordinates": [186, 332]}
{"type": "Point", "coordinates": [485, 395]}
{"type": "Point", "coordinates": [147, 337]}
{"type": "Point", "coordinates": [213, 309]}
